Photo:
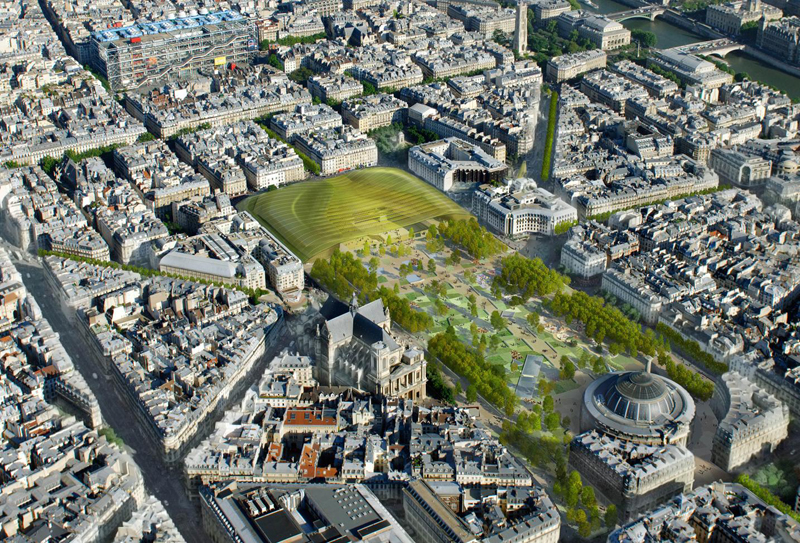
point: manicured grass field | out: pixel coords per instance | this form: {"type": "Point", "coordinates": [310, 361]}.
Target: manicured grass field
{"type": "Point", "coordinates": [314, 216]}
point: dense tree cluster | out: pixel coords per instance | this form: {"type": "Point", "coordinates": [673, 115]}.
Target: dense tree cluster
{"type": "Point", "coordinates": [437, 387]}
{"type": "Point", "coordinates": [691, 349]}
{"type": "Point", "coordinates": [403, 314]}
{"type": "Point", "coordinates": [693, 382]}
{"type": "Point", "coordinates": [768, 497]}
{"type": "Point", "coordinates": [292, 40]}
{"type": "Point", "coordinates": [420, 135]}
{"type": "Point", "coordinates": [540, 450]}
{"type": "Point", "coordinates": [604, 323]}
{"type": "Point", "coordinates": [344, 274]}
{"type": "Point", "coordinates": [472, 237]}
{"type": "Point", "coordinates": [645, 37]}
{"type": "Point", "coordinates": [489, 379]}
{"type": "Point", "coordinates": [528, 277]}
{"type": "Point", "coordinates": [545, 42]}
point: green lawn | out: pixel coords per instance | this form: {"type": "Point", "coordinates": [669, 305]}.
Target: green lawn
{"type": "Point", "coordinates": [312, 217]}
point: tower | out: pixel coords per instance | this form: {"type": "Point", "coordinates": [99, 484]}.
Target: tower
{"type": "Point", "coordinates": [521, 29]}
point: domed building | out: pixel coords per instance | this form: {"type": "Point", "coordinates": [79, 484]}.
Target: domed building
{"type": "Point", "coordinates": [638, 406]}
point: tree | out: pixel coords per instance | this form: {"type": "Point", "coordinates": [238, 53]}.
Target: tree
{"type": "Point", "coordinates": [48, 164]}
{"type": "Point", "coordinates": [410, 233]}
{"type": "Point", "coordinates": [584, 528]}
{"type": "Point", "coordinates": [455, 258]}
{"type": "Point", "coordinates": [599, 365]}
{"type": "Point", "coordinates": [431, 266]}
{"type": "Point", "coordinates": [646, 38]}
{"type": "Point", "coordinates": [457, 388]}
{"type": "Point", "coordinates": [573, 490]}
{"type": "Point", "coordinates": [274, 61]}
{"type": "Point", "coordinates": [366, 248]}
{"type": "Point", "coordinates": [382, 250]}
{"type": "Point", "coordinates": [374, 263]}
{"type": "Point", "coordinates": [611, 516]}
{"type": "Point", "coordinates": [437, 387]}
{"type": "Point", "coordinates": [548, 404]}
{"type": "Point", "coordinates": [533, 319]}
{"type": "Point", "coordinates": [576, 515]}
{"type": "Point", "coordinates": [552, 421]}
{"type": "Point", "coordinates": [472, 394]}
{"type": "Point", "coordinates": [497, 320]}
{"type": "Point", "coordinates": [472, 237]}
{"type": "Point", "coordinates": [567, 370]}
{"type": "Point", "coordinates": [514, 367]}
{"type": "Point", "coordinates": [587, 496]}
{"type": "Point", "coordinates": [389, 239]}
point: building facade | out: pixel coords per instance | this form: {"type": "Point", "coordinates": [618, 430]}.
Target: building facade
{"type": "Point", "coordinates": [752, 422]}
{"type": "Point", "coordinates": [637, 478]}
{"type": "Point", "coordinates": [355, 348]}
{"type": "Point", "coordinates": [145, 53]}
{"type": "Point", "coordinates": [520, 208]}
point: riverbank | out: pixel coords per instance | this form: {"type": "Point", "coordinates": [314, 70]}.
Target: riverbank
{"type": "Point", "coordinates": [674, 30]}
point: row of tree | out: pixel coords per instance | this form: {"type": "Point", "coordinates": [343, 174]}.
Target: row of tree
{"type": "Point", "coordinates": [437, 387]}
{"type": "Point", "coordinates": [488, 379]}
{"type": "Point", "coordinates": [694, 383]}
{"type": "Point", "coordinates": [528, 277]}
{"type": "Point", "coordinates": [344, 274]}
{"type": "Point", "coordinates": [604, 323]}
{"type": "Point", "coordinates": [472, 237]}
{"type": "Point", "coordinates": [692, 349]}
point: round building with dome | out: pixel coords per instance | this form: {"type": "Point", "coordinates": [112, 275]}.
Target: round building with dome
{"type": "Point", "coordinates": [638, 406]}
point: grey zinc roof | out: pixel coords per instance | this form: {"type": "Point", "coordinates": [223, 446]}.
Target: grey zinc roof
{"type": "Point", "coordinates": [201, 264]}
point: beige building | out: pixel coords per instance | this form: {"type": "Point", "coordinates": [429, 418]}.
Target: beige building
{"type": "Point", "coordinates": [752, 421]}
{"type": "Point", "coordinates": [338, 149]}
{"type": "Point", "coordinates": [604, 33]}
{"type": "Point", "coordinates": [730, 17]}
{"type": "Point", "coordinates": [435, 521]}
{"type": "Point", "coordinates": [737, 168]}
{"type": "Point", "coordinates": [638, 406]}
{"type": "Point", "coordinates": [635, 477]}
{"type": "Point", "coordinates": [371, 112]}
{"type": "Point", "coordinates": [570, 66]}
{"type": "Point", "coordinates": [335, 87]}
{"type": "Point", "coordinates": [247, 273]}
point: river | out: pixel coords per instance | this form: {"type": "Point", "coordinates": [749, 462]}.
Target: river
{"type": "Point", "coordinates": [673, 36]}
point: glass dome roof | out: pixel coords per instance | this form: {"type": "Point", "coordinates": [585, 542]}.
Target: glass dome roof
{"type": "Point", "coordinates": [638, 396]}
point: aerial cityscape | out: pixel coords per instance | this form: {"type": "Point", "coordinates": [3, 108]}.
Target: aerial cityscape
{"type": "Point", "coordinates": [400, 271]}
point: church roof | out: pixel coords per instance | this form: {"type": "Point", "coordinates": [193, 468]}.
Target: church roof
{"type": "Point", "coordinates": [364, 325]}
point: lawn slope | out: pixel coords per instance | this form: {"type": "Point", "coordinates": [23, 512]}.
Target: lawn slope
{"type": "Point", "coordinates": [312, 217]}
